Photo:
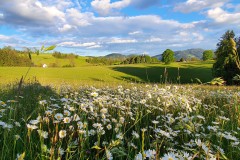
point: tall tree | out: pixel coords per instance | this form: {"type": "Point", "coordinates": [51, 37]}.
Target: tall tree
{"type": "Point", "coordinates": [207, 55]}
{"type": "Point", "coordinates": [168, 56]}
{"type": "Point", "coordinates": [227, 63]}
{"type": "Point", "coordinates": [238, 45]}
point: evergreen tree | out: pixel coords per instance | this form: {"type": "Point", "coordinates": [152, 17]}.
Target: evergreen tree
{"type": "Point", "coordinates": [227, 63]}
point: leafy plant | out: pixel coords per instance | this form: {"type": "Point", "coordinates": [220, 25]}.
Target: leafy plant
{"type": "Point", "coordinates": [236, 79]}
{"type": "Point", "coordinates": [217, 81]}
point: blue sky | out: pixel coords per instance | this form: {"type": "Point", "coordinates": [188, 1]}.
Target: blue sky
{"type": "Point", "coordinates": [100, 27]}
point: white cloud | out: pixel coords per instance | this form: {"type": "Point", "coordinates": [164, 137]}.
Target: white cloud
{"type": "Point", "coordinates": [154, 39]}
{"type": "Point", "coordinates": [70, 27]}
{"type": "Point", "coordinates": [186, 37]}
{"type": "Point", "coordinates": [95, 46]}
{"type": "Point", "coordinates": [221, 16]}
{"type": "Point", "coordinates": [197, 5]}
{"type": "Point", "coordinates": [66, 27]}
{"type": "Point", "coordinates": [120, 40]}
{"type": "Point", "coordinates": [135, 33]}
{"type": "Point", "coordinates": [75, 44]}
{"type": "Point", "coordinates": [59, 4]}
{"type": "Point", "coordinates": [33, 11]}
{"type": "Point", "coordinates": [198, 37]}
{"type": "Point", "coordinates": [3, 37]}
{"type": "Point", "coordinates": [75, 17]}
{"type": "Point", "coordinates": [183, 34]}
{"type": "Point", "coordinates": [105, 7]}
{"type": "Point", "coordinates": [14, 41]}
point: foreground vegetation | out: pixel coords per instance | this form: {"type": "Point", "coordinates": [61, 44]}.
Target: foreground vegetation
{"type": "Point", "coordinates": [121, 122]}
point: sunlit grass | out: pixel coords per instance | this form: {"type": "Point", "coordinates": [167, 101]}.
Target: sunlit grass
{"type": "Point", "coordinates": [140, 73]}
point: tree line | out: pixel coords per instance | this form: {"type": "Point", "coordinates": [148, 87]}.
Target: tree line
{"type": "Point", "coordinates": [11, 57]}
{"type": "Point", "coordinates": [140, 59]}
{"type": "Point", "coordinates": [122, 60]}
{"type": "Point", "coordinates": [104, 60]}
{"type": "Point", "coordinates": [60, 55]}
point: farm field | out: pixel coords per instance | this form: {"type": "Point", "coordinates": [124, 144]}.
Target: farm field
{"type": "Point", "coordinates": [139, 73]}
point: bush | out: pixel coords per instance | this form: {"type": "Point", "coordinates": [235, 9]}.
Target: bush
{"type": "Point", "coordinates": [67, 65]}
{"type": "Point", "coordinates": [60, 55]}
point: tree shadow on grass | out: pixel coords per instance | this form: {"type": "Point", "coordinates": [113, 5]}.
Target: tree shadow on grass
{"type": "Point", "coordinates": [96, 79]}
{"type": "Point", "coordinates": [22, 105]}
{"type": "Point", "coordinates": [27, 97]}
{"type": "Point", "coordinates": [161, 74]}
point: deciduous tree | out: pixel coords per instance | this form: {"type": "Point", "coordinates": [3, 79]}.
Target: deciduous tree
{"type": "Point", "coordinates": [168, 56]}
{"type": "Point", "coordinates": [207, 55]}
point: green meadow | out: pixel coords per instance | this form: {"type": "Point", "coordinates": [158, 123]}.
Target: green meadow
{"type": "Point", "coordinates": [134, 112]}
{"type": "Point", "coordinates": [178, 72]}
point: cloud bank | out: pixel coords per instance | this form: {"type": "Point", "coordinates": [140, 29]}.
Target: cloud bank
{"type": "Point", "coordinates": [99, 25]}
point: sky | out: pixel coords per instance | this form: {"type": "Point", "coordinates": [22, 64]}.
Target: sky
{"type": "Point", "coordinates": [101, 27]}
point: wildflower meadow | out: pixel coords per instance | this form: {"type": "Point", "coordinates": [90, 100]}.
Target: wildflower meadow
{"type": "Point", "coordinates": [133, 122]}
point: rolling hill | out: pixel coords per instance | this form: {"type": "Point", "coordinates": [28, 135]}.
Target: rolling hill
{"type": "Point", "coordinates": [115, 55]}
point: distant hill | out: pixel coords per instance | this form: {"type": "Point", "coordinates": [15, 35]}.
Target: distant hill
{"type": "Point", "coordinates": [119, 55]}
{"type": "Point", "coordinates": [115, 55]}
{"type": "Point", "coordinates": [186, 54]}
{"type": "Point", "coordinates": [159, 56]}
{"type": "Point", "coordinates": [189, 53]}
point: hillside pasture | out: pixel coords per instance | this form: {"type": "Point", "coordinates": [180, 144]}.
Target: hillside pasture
{"type": "Point", "coordinates": [51, 61]}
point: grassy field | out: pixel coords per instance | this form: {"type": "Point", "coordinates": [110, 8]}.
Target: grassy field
{"type": "Point", "coordinates": [85, 73]}
{"type": "Point", "coordinates": [93, 112]}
